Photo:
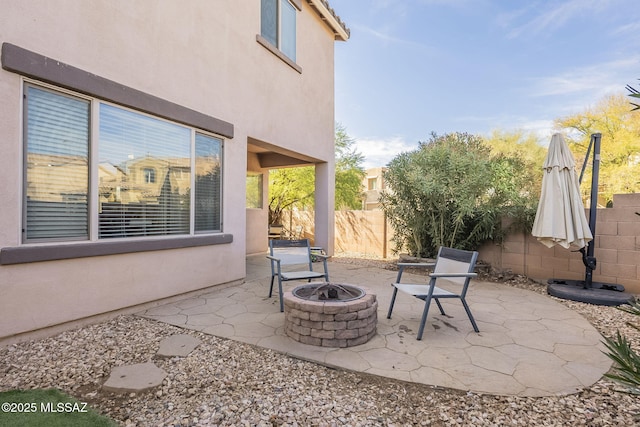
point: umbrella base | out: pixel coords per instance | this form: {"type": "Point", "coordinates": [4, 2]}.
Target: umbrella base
{"type": "Point", "coordinates": [598, 294]}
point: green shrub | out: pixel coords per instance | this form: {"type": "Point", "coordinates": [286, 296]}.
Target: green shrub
{"type": "Point", "coordinates": [452, 192]}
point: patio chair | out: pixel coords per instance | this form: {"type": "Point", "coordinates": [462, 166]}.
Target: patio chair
{"type": "Point", "coordinates": [453, 268]}
{"type": "Point", "coordinates": [275, 231]}
{"type": "Point", "coordinates": [293, 253]}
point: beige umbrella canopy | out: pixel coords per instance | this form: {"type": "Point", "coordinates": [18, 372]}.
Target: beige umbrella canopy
{"type": "Point", "coordinates": [560, 219]}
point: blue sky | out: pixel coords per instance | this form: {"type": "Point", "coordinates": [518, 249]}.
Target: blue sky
{"type": "Point", "coordinates": [416, 66]}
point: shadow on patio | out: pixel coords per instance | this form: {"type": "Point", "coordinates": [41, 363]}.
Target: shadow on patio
{"type": "Point", "coordinates": [528, 345]}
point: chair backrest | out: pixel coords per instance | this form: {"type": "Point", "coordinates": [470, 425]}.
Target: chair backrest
{"type": "Point", "coordinates": [275, 231]}
{"type": "Point", "coordinates": [455, 261]}
{"type": "Point", "coordinates": [291, 251]}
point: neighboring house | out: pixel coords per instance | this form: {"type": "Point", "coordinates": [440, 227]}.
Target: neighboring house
{"type": "Point", "coordinates": [128, 130]}
{"type": "Point", "coordinates": [374, 185]}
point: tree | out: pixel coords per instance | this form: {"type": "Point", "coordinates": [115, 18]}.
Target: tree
{"type": "Point", "coordinates": [522, 145]}
{"type": "Point", "coordinates": [349, 171]}
{"type": "Point", "coordinates": [293, 188]}
{"type": "Point", "coordinates": [620, 146]}
{"type": "Point", "coordinates": [289, 188]}
{"type": "Point", "coordinates": [453, 192]}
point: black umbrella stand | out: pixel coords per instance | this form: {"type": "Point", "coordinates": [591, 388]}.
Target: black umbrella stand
{"type": "Point", "coordinates": [587, 290]}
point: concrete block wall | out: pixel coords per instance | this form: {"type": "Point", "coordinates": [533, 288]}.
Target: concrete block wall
{"type": "Point", "coordinates": [617, 250]}
{"type": "Point", "coordinates": [617, 245]}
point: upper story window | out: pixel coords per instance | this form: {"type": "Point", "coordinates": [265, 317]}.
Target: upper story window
{"type": "Point", "coordinates": [149, 175]}
{"type": "Point", "coordinates": [278, 25]}
{"type": "Point", "coordinates": [372, 184]}
{"type": "Point", "coordinates": [135, 176]}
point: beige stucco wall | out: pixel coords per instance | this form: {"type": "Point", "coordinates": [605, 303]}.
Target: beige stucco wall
{"type": "Point", "coordinates": [258, 218]}
{"type": "Point", "coordinates": [200, 54]}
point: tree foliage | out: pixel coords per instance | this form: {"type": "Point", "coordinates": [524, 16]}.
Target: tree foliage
{"type": "Point", "coordinates": [290, 188]}
{"type": "Point", "coordinates": [620, 145]}
{"type": "Point", "coordinates": [453, 192]}
{"type": "Point", "coordinates": [294, 188]}
{"type": "Point", "coordinates": [349, 171]}
{"type": "Point", "coordinates": [524, 146]}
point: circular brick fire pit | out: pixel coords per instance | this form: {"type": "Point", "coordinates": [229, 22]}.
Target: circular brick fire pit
{"type": "Point", "coordinates": [330, 315]}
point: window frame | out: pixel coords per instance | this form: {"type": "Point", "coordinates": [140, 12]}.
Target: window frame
{"type": "Point", "coordinates": [43, 70]}
{"type": "Point", "coordinates": [276, 49]}
{"type": "Point", "coordinates": [93, 166]}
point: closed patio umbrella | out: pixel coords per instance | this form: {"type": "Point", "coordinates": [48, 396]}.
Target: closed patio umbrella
{"type": "Point", "coordinates": [560, 219]}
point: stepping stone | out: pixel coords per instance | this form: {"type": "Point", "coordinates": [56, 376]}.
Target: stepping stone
{"type": "Point", "coordinates": [134, 378]}
{"type": "Point", "coordinates": [177, 345]}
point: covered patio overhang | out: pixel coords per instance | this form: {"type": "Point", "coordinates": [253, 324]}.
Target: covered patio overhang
{"type": "Point", "coordinates": [265, 156]}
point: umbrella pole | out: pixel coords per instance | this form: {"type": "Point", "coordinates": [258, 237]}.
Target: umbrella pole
{"type": "Point", "coordinates": [589, 260]}
{"type": "Point", "coordinates": [586, 290]}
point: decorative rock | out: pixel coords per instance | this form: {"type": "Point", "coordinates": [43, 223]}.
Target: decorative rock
{"type": "Point", "coordinates": [177, 345]}
{"type": "Point", "coordinates": [134, 378]}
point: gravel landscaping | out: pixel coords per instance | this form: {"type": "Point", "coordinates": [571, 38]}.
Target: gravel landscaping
{"type": "Point", "coordinates": [226, 383]}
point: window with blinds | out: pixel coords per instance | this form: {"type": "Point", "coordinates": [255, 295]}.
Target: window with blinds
{"type": "Point", "coordinates": [56, 165]}
{"type": "Point", "coordinates": [131, 204]}
{"type": "Point", "coordinates": [144, 168]}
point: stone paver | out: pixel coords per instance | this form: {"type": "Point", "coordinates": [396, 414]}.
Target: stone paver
{"type": "Point", "coordinates": [134, 378]}
{"type": "Point", "coordinates": [528, 344]}
{"type": "Point", "coordinates": [177, 345]}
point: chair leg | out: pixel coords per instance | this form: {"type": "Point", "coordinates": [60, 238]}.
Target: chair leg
{"type": "Point", "coordinates": [466, 308]}
{"type": "Point", "coordinates": [281, 296]}
{"type": "Point", "coordinates": [423, 321]}
{"type": "Point", "coordinates": [393, 301]}
{"type": "Point", "coordinates": [271, 287]}
{"type": "Point", "coordinates": [440, 306]}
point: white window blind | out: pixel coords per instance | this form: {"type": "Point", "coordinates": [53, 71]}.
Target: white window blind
{"type": "Point", "coordinates": [131, 202]}
{"type": "Point", "coordinates": [56, 172]}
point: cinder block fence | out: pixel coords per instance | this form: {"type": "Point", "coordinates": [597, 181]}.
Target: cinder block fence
{"type": "Point", "coordinates": [617, 245]}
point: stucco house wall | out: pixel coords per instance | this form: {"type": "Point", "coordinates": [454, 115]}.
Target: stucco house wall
{"type": "Point", "coordinates": [204, 57]}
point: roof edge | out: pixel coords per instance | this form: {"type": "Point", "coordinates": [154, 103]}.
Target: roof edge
{"type": "Point", "coordinates": [329, 16]}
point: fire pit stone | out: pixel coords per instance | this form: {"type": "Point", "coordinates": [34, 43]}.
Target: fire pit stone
{"type": "Point", "coordinates": [330, 322]}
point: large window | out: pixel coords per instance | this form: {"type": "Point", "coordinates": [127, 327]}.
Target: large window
{"type": "Point", "coordinates": [278, 25]}
{"type": "Point", "coordinates": [145, 169]}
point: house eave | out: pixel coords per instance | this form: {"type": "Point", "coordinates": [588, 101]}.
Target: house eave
{"type": "Point", "coordinates": [333, 21]}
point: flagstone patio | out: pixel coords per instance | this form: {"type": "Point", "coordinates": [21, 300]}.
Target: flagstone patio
{"type": "Point", "coordinates": [528, 344]}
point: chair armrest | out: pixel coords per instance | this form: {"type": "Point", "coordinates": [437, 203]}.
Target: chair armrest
{"type": "Point", "coordinates": [321, 256]}
{"type": "Point", "coordinates": [403, 265]}
{"type": "Point", "coordinates": [272, 258]}
{"type": "Point", "coordinates": [436, 275]}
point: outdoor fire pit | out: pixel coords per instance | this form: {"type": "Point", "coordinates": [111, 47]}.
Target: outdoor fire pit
{"type": "Point", "coordinates": [330, 314]}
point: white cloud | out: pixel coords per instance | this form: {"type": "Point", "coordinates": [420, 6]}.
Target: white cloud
{"type": "Point", "coordinates": [550, 19]}
{"type": "Point", "coordinates": [384, 35]}
{"type": "Point", "coordinates": [580, 87]}
{"type": "Point", "coordinates": [378, 152]}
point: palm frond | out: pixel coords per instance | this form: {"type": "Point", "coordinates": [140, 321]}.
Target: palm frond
{"type": "Point", "coordinates": [627, 369]}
